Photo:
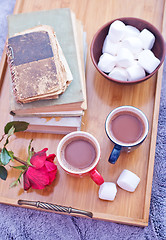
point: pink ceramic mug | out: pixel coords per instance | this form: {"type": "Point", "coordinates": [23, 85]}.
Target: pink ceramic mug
{"type": "Point", "coordinates": [78, 153]}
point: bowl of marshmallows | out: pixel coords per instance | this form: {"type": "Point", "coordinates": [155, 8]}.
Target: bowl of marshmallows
{"type": "Point", "coordinates": [127, 50]}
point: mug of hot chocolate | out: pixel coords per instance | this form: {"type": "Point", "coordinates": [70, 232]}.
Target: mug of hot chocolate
{"type": "Point", "coordinates": [78, 153]}
{"type": "Point", "coordinates": [127, 127]}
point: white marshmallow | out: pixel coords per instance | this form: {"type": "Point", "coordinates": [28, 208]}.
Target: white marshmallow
{"type": "Point", "coordinates": [107, 191]}
{"type": "Point", "coordinates": [106, 62]}
{"type": "Point", "coordinates": [109, 46]}
{"type": "Point", "coordinates": [119, 74]}
{"type": "Point", "coordinates": [131, 31]}
{"type": "Point", "coordinates": [116, 30]}
{"type": "Point", "coordinates": [147, 39]}
{"type": "Point", "coordinates": [134, 44]}
{"type": "Point", "coordinates": [124, 58]}
{"type": "Point", "coordinates": [128, 180]}
{"type": "Point", "coordinates": [136, 55]}
{"type": "Point", "coordinates": [135, 72]}
{"type": "Point", "coordinates": [148, 61]}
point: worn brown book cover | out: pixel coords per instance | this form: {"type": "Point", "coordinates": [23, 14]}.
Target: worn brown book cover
{"type": "Point", "coordinates": [37, 65]}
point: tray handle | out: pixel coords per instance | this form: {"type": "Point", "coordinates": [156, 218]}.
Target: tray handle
{"type": "Point", "coordinates": [55, 207]}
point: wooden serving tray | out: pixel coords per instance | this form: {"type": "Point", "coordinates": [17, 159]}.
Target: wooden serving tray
{"type": "Point", "coordinates": [103, 96]}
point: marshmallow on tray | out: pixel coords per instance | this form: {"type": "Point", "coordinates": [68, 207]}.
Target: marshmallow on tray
{"type": "Point", "coordinates": [107, 191]}
{"type": "Point", "coordinates": [106, 62]}
{"type": "Point", "coordinates": [109, 46]}
{"type": "Point", "coordinates": [128, 180]}
{"type": "Point", "coordinates": [124, 58]}
{"type": "Point", "coordinates": [116, 30]}
{"type": "Point", "coordinates": [147, 39]}
{"type": "Point", "coordinates": [119, 74]}
{"type": "Point", "coordinates": [135, 72]}
{"type": "Point", "coordinates": [148, 60]}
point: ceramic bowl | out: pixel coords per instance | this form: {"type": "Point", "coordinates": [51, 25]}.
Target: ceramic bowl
{"type": "Point", "coordinates": [98, 40]}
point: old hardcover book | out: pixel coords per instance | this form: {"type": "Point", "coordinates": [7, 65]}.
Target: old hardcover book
{"type": "Point", "coordinates": [64, 25]}
{"type": "Point", "coordinates": [54, 125]}
{"type": "Point", "coordinates": [38, 67]}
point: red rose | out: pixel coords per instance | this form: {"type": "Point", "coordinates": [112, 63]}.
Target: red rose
{"type": "Point", "coordinates": [43, 171]}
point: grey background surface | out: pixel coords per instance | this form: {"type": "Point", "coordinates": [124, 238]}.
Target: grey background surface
{"type": "Point", "coordinates": [19, 223]}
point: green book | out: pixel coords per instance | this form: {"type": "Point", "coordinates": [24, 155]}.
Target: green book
{"type": "Point", "coordinates": [62, 22]}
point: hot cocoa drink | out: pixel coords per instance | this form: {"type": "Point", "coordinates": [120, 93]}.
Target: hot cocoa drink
{"type": "Point", "coordinates": [79, 153]}
{"type": "Point", "coordinates": [126, 127]}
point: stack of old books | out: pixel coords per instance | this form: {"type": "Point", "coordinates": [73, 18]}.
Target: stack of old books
{"type": "Point", "coordinates": [46, 54]}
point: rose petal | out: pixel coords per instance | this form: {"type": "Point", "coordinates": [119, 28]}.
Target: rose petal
{"type": "Point", "coordinates": [52, 170]}
{"type": "Point", "coordinates": [27, 184]}
{"type": "Point", "coordinates": [51, 157]}
{"type": "Point", "coordinates": [38, 159]}
{"type": "Point", "coordinates": [50, 166]}
{"type": "Point", "coordinates": [38, 178]}
{"type": "Point", "coordinates": [52, 176]}
{"type": "Point", "coordinates": [43, 171]}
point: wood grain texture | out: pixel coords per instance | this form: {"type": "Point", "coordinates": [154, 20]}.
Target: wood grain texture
{"type": "Point", "coordinates": [103, 96]}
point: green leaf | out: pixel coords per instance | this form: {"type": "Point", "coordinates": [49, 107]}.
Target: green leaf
{"type": "Point", "coordinates": [11, 131]}
{"type": "Point", "coordinates": [11, 154]}
{"type": "Point", "coordinates": [3, 173]}
{"type": "Point", "coordinates": [19, 126]}
{"type": "Point", "coordinates": [30, 153]}
{"type": "Point", "coordinates": [15, 183]}
{"type": "Point", "coordinates": [5, 156]}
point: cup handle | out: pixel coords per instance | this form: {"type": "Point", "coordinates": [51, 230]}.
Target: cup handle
{"type": "Point", "coordinates": [115, 154]}
{"type": "Point", "coordinates": [96, 177]}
